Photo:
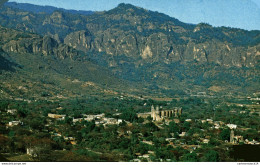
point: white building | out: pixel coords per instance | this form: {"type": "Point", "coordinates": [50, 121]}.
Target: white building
{"type": "Point", "coordinates": [12, 111]}
{"type": "Point", "coordinates": [232, 126]}
{"type": "Point", "coordinates": [13, 123]}
{"type": "Point", "coordinates": [56, 116]}
{"type": "Point", "coordinates": [209, 120]}
{"type": "Point", "coordinates": [182, 134]}
{"type": "Point", "coordinates": [188, 120]}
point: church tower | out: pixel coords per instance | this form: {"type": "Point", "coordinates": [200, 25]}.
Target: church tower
{"type": "Point", "coordinates": [232, 134]}
{"type": "Point", "coordinates": [153, 112]}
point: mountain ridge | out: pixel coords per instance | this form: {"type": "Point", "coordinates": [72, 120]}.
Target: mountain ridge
{"type": "Point", "coordinates": [46, 9]}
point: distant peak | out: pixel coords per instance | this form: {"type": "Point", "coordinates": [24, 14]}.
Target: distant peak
{"type": "Point", "coordinates": [125, 5]}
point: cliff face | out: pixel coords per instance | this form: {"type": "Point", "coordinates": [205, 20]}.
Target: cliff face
{"type": "Point", "coordinates": [159, 47]}
{"type": "Point", "coordinates": [140, 34]}
{"type": "Point", "coordinates": [19, 42]}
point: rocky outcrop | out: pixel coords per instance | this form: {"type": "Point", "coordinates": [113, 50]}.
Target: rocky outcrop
{"type": "Point", "coordinates": [80, 40]}
{"type": "Point", "coordinates": [19, 42]}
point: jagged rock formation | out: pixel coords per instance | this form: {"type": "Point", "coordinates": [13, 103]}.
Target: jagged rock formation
{"type": "Point", "coordinates": [19, 42]}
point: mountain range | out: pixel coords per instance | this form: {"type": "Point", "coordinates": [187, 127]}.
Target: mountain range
{"type": "Point", "coordinates": [244, 14]}
{"type": "Point", "coordinates": [127, 49]}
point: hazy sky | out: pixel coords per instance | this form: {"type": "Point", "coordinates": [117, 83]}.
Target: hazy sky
{"type": "Point", "coordinates": [234, 13]}
{"type": "Point", "coordinates": [97, 5]}
{"type": "Point", "coordinates": [257, 2]}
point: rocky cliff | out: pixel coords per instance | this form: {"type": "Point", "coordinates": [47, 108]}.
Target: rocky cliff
{"type": "Point", "coordinates": [19, 42]}
{"type": "Point", "coordinates": [154, 37]}
{"type": "Point", "coordinates": [143, 35]}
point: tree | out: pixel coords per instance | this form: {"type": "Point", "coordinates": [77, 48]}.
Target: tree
{"type": "Point", "coordinates": [211, 156]}
{"type": "Point", "coordinates": [68, 120]}
{"type": "Point", "coordinates": [186, 126]}
{"type": "Point", "coordinates": [140, 120]}
{"type": "Point", "coordinates": [22, 112]}
{"type": "Point", "coordinates": [37, 123]}
{"type": "Point", "coordinates": [190, 157]}
{"type": "Point", "coordinates": [129, 116]}
{"type": "Point", "coordinates": [225, 134]}
{"type": "Point", "coordinates": [42, 148]}
{"type": "Point", "coordinates": [173, 127]}
{"type": "Point", "coordinates": [3, 142]}
{"type": "Point", "coordinates": [152, 127]}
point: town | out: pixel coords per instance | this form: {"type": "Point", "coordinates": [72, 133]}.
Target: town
{"type": "Point", "coordinates": [146, 130]}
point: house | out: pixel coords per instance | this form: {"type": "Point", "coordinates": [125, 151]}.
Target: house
{"type": "Point", "coordinates": [97, 122]}
{"type": "Point", "coordinates": [148, 142]}
{"type": "Point", "coordinates": [170, 139]}
{"type": "Point", "coordinates": [176, 121]}
{"type": "Point", "coordinates": [77, 120]}
{"type": "Point", "coordinates": [217, 126]}
{"type": "Point", "coordinates": [136, 160]}
{"type": "Point", "coordinates": [145, 156]}
{"type": "Point", "coordinates": [150, 152]}
{"type": "Point", "coordinates": [188, 120]}
{"type": "Point", "coordinates": [232, 126]}
{"type": "Point", "coordinates": [117, 114]}
{"type": "Point", "coordinates": [56, 116]}
{"type": "Point", "coordinates": [210, 121]}
{"type": "Point", "coordinates": [182, 134]}
{"type": "Point", "coordinates": [102, 115]}
{"type": "Point", "coordinates": [56, 134]}
{"type": "Point", "coordinates": [119, 121]}
{"type": "Point", "coordinates": [144, 115]}
{"type": "Point", "coordinates": [11, 111]}
{"type": "Point", "coordinates": [13, 123]}
{"type": "Point", "coordinates": [206, 141]}
{"type": "Point", "coordinates": [69, 138]}
{"type": "Point", "coordinates": [31, 151]}
{"type": "Point", "coordinates": [112, 121]}
{"type": "Point", "coordinates": [89, 118]}
{"type": "Point", "coordinates": [203, 121]}
{"type": "Point", "coordinates": [252, 142]}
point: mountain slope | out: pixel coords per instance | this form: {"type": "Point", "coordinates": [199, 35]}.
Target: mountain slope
{"type": "Point", "coordinates": [139, 33]}
{"type": "Point", "coordinates": [162, 54]}
{"type": "Point", "coordinates": [32, 66]}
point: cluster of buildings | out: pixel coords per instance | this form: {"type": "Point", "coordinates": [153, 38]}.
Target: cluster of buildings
{"type": "Point", "coordinates": [99, 119]}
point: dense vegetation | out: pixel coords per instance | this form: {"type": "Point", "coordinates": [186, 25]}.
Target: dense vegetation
{"type": "Point", "coordinates": [97, 143]}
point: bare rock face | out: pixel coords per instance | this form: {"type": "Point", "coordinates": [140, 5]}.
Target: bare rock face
{"type": "Point", "coordinates": [48, 45]}
{"type": "Point", "coordinates": [19, 42]}
{"type": "Point", "coordinates": [159, 47]}
{"type": "Point", "coordinates": [80, 40]}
